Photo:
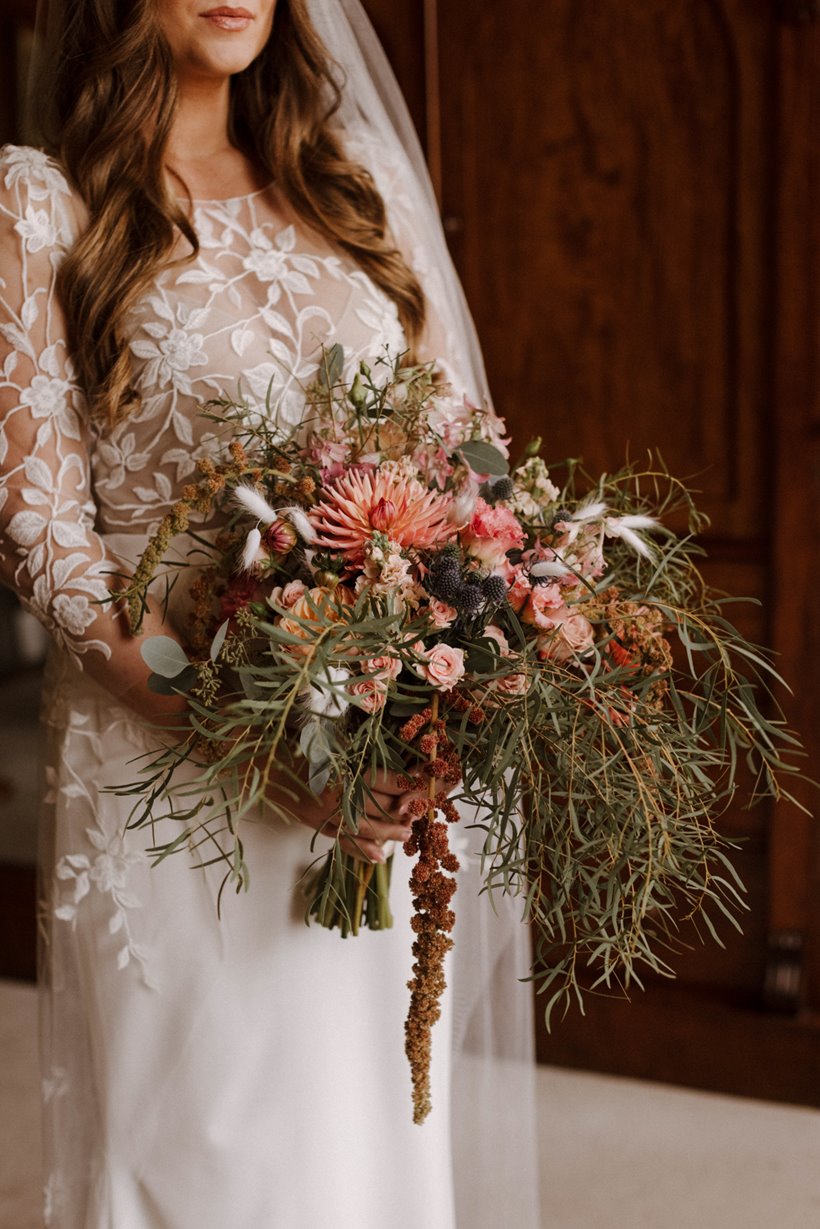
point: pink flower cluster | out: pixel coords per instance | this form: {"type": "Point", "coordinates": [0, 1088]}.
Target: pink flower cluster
{"type": "Point", "coordinates": [491, 533]}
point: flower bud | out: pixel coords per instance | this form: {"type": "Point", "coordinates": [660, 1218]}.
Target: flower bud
{"type": "Point", "coordinates": [534, 447]}
{"type": "Point", "coordinates": [357, 394]}
{"type": "Point", "coordinates": [382, 514]}
{"type": "Point", "coordinates": [326, 580]}
{"type": "Point", "coordinates": [280, 537]}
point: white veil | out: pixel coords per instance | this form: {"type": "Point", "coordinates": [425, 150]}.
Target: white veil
{"type": "Point", "coordinates": [494, 1121]}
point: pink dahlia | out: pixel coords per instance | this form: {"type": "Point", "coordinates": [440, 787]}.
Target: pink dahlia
{"type": "Point", "coordinates": [394, 504]}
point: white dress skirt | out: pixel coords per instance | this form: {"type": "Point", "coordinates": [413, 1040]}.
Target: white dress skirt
{"type": "Point", "coordinates": [248, 1072]}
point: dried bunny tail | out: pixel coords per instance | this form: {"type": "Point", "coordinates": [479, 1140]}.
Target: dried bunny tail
{"type": "Point", "coordinates": [251, 551]}
{"type": "Point", "coordinates": [250, 500]}
{"type": "Point", "coordinates": [300, 522]}
{"type": "Point", "coordinates": [624, 527]}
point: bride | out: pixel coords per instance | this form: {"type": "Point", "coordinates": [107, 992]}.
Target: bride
{"type": "Point", "coordinates": [228, 189]}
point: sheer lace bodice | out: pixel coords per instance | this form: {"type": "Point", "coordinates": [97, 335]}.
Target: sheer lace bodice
{"type": "Point", "coordinates": [250, 313]}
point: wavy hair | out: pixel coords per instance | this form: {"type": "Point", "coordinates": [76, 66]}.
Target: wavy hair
{"type": "Point", "coordinates": [112, 95]}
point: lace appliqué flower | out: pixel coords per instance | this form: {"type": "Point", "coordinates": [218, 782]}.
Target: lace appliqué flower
{"type": "Point", "coordinates": [108, 873]}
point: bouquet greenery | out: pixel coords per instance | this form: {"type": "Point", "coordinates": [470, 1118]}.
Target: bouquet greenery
{"type": "Point", "coordinates": [386, 591]}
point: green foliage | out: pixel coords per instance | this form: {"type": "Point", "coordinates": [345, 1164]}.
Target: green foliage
{"type": "Point", "coordinates": [601, 781]}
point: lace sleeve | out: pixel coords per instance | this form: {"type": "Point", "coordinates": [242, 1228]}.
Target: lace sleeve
{"type": "Point", "coordinates": [49, 551]}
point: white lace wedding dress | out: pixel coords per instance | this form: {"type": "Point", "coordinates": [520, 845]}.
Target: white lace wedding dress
{"type": "Point", "coordinates": [246, 1073]}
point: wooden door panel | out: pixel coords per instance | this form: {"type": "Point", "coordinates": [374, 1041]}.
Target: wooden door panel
{"type": "Point", "coordinates": [602, 176]}
{"type": "Point", "coordinates": [610, 183]}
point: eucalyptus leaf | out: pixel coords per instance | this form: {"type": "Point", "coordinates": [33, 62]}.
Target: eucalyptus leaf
{"type": "Point", "coordinates": [319, 777]}
{"type": "Point", "coordinates": [481, 659]}
{"type": "Point", "coordinates": [164, 656]}
{"type": "Point", "coordinates": [484, 458]}
{"type": "Point", "coordinates": [331, 367]}
{"type": "Point", "coordinates": [219, 640]}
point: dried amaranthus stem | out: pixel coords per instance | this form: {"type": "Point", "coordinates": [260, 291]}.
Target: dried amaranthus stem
{"type": "Point", "coordinates": [433, 918]}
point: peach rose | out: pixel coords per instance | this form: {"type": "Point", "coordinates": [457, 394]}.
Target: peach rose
{"type": "Point", "coordinates": [574, 635]}
{"type": "Point", "coordinates": [442, 666]}
{"type": "Point", "coordinates": [316, 608]}
{"type": "Point", "coordinates": [368, 694]}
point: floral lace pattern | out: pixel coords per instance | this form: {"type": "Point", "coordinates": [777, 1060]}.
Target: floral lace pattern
{"type": "Point", "coordinates": [47, 546]}
{"type": "Point", "coordinates": [250, 313]}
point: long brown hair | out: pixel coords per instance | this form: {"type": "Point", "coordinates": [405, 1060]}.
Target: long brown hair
{"type": "Point", "coordinates": [113, 95]}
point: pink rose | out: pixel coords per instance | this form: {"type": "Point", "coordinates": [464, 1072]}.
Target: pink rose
{"type": "Point", "coordinates": [368, 693]}
{"type": "Point", "coordinates": [288, 596]}
{"type": "Point", "coordinates": [441, 615]}
{"type": "Point", "coordinates": [291, 593]}
{"type": "Point", "coordinates": [442, 667]}
{"type": "Point", "coordinates": [575, 634]}
{"type": "Point", "coordinates": [545, 607]}
{"type": "Point", "coordinates": [495, 633]}
{"type": "Point", "coordinates": [382, 667]}
{"type": "Point", "coordinates": [491, 533]}
{"type": "Point", "coordinates": [512, 684]}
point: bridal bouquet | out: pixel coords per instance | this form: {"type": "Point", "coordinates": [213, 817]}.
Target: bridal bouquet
{"type": "Point", "coordinates": [386, 591]}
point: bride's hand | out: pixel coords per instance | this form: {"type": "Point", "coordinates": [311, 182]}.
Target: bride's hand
{"type": "Point", "coordinates": [385, 817]}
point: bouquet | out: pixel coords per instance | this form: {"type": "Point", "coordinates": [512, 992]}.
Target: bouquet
{"type": "Point", "coordinates": [385, 590]}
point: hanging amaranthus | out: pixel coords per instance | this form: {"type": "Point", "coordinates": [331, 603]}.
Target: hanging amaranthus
{"type": "Point", "coordinates": [433, 890]}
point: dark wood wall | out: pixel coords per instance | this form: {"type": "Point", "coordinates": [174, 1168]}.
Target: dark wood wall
{"type": "Point", "coordinates": [631, 196]}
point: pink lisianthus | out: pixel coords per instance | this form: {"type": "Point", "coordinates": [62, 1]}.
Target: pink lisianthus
{"type": "Point", "coordinates": [442, 666]}
{"type": "Point", "coordinates": [441, 614]}
{"type": "Point", "coordinates": [545, 607]}
{"type": "Point", "coordinates": [572, 636]}
{"type": "Point", "coordinates": [589, 555]}
{"type": "Point", "coordinates": [491, 533]}
{"type": "Point", "coordinates": [464, 492]}
{"type": "Point", "coordinates": [433, 464]}
{"type": "Point", "coordinates": [331, 457]}
{"type": "Point", "coordinates": [520, 586]}
{"type": "Point", "coordinates": [368, 693]}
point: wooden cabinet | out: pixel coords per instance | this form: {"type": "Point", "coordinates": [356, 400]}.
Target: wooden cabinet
{"type": "Point", "coordinates": [631, 196]}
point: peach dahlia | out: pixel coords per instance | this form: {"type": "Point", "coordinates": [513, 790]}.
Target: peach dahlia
{"type": "Point", "coordinates": [357, 504]}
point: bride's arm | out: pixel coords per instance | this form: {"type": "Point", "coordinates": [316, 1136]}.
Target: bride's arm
{"type": "Point", "coordinates": [50, 552]}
